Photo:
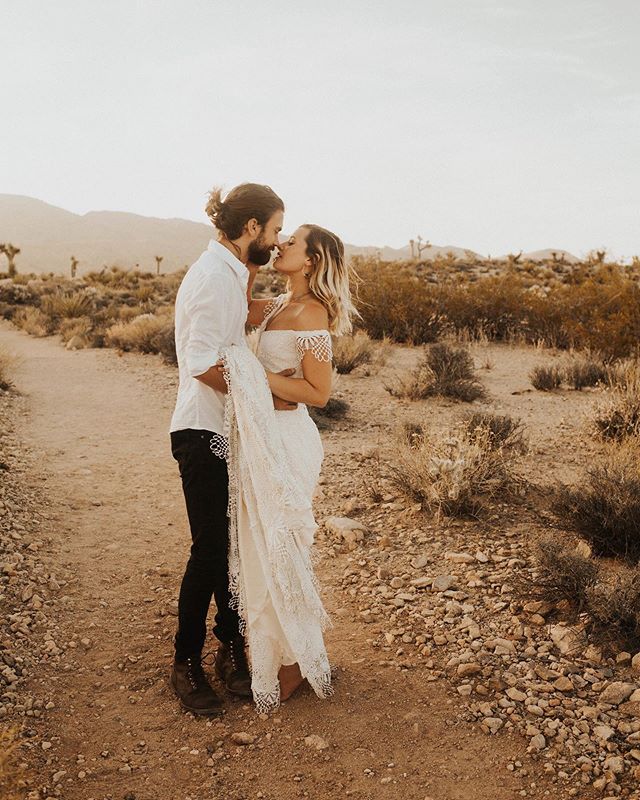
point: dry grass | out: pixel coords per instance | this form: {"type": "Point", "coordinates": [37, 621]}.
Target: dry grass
{"type": "Point", "coordinates": [350, 352]}
{"type": "Point", "coordinates": [144, 333]}
{"type": "Point", "coordinates": [605, 602]}
{"type": "Point", "coordinates": [33, 321]}
{"type": "Point", "coordinates": [604, 509]}
{"type": "Point", "coordinates": [63, 305]}
{"type": "Point", "coordinates": [546, 379]}
{"type": "Point", "coordinates": [451, 475]}
{"type": "Point", "coordinates": [562, 576]}
{"type": "Point", "coordinates": [583, 371]}
{"type": "Point", "coordinates": [5, 366]}
{"type": "Point", "coordinates": [502, 430]}
{"type": "Point", "coordinates": [620, 416]}
{"type": "Point", "coordinates": [445, 371]}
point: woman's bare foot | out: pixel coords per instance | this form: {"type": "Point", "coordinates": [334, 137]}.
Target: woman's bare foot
{"type": "Point", "coordinates": [290, 679]}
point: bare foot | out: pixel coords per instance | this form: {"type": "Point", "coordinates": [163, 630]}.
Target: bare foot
{"type": "Point", "coordinates": [290, 679]}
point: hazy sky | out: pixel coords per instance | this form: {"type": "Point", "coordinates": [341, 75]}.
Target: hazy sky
{"type": "Point", "coordinates": [488, 125]}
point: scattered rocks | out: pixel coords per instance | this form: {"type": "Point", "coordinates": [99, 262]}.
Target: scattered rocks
{"type": "Point", "coordinates": [617, 692]}
{"type": "Point", "coordinates": [243, 738]}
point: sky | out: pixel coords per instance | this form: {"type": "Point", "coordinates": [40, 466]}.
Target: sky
{"type": "Point", "coordinates": [495, 126]}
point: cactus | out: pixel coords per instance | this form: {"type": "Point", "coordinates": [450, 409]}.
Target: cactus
{"type": "Point", "coordinates": [10, 251]}
{"type": "Point", "coordinates": [74, 266]}
{"type": "Point", "coordinates": [159, 260]}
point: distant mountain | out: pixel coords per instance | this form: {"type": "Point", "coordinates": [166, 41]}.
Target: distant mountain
{"type": "Point", "coordinates": [48, 236]}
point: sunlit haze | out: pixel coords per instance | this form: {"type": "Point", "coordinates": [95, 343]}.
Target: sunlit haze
{"type": "Point", "coordinates": [491, 126]}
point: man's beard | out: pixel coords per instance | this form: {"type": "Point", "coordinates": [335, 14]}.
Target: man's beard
{"type": "Point", "coordinates": [259, 253]}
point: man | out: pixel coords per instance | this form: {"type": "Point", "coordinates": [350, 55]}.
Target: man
{"type": "Point", "coordinates": [211, 312]}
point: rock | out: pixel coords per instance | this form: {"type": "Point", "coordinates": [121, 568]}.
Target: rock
{"type": "Point", "coordinates": [603, 732]}
{"type": "Point", "coordinates": [481, 557]}
{"type": "Point", "coordinates": [615, 764]}
{"type": "Point", "coordinates": [460, 558]}
{"type": "Point", "coordinates": [349, 530]}
{"type": "Point", "coordinates": [630, 709]}
{"type": "Point", "coordinates": [443, 582]}
{"type": "Point", "coordinates": [317, 742]}
{"type": "Point", "coordinates": [465, 670]}
{"type": "Point", "coordinates": [563, 684]}
{"type": "Point", "coordinates": [623, 658]}
{"type": "Point", "coordinates": [567, 640]}
{"type": "Point", "coordinates": [242, 738]}
{"type": "Point", "coordinates": [537, 743]}
{"type": "Point", "coordinates": [516, 694]}
{"type": "Point", "coordinates": [583, 549]}
{"type": "Point", "coordinates": [491, 724]}
{"type": "Point", "coordinates": [635, 663]}
{"type": "Point", "coordinates": [617, 692]}
{"type": "Point", "coordinates": [420, 561]}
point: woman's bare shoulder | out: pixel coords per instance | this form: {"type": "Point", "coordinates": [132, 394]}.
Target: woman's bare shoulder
{"type": "Point", "coordinates": [312, 316]}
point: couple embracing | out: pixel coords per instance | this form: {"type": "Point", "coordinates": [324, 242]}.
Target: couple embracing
{"type": "Point", "coordinates": [250, 455]}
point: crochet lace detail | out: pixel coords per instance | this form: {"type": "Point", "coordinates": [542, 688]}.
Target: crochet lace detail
{"type": "Point", "coordinates": [319, 342]}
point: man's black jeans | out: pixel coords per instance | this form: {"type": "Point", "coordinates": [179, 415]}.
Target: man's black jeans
{"type": "Point", "coordinates": [205, 484]}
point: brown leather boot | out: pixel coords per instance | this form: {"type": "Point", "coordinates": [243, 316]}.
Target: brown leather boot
{"type": "Point", "coordinates": [232, 667]}
{"type": "Point", "coordinates": [193, 689]}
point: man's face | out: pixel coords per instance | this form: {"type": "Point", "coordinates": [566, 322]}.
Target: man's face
{"type": "Point", "coordinates": [260, 249]}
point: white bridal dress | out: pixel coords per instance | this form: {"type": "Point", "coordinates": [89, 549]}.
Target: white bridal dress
{"type": "Point", "coordinates": [274, 462]}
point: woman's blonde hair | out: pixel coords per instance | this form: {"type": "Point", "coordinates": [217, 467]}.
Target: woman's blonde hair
{"type": "Point", "coordinates": [330, 277]}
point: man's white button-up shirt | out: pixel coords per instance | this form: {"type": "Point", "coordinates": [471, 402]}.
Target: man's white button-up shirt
{"type": "Point", "coordinates": [211, 312]}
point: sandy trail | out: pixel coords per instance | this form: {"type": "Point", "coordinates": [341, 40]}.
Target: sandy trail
{"type": "Point", "coordinates": [100, 423]}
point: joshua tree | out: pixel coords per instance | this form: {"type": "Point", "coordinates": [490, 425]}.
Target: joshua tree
{"type": "Point", "coordinates": [158, 262]}
{"type": "Point", "coordinates": [514, 259]}
{"type": "Point", "coordinates": [74, 266]}
{"type": "Point", "coordinates": [417, 246]}
{"type": "Point", "coordinates": [10, 252]}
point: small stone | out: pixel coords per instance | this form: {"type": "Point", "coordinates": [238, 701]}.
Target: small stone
{"type": "Point", "coordinates": [420, 561]}
{"type": "Point", "coordinates": [537, 743]}
{"type": "Point", "coordinates": [635, 663]}
{"type": "Point", "coordinates": [563, 684]}
{"type": "Point", "coordinates": [615, 764]}
{"type": "Point", "coordinates": [603, 732]}
{"type": "Point", "coordinates": [443, 582]}
{"type": "Point", "coordinates": [317, 742]}
{"type": "Point", "coordinates": [583, 549]}
{"type": "Point", "coordinates": [465, 670]}
{"type": "Point", "coordinates": [460, 558]}
{"type": "Point", "coordinates": [516, 694]}
{"type": "Point", "coordinates": [481, 557]}
{"type": "Point", "coordinates": [242, 738]}
{"type": "Point", "coordinates": [491, 724]}
{"type": "Point", "coordinates": [623, 658]}
{"type": "Point", "coordinates": [617, 692]}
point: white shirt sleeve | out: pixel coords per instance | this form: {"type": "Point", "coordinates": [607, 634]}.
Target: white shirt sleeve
{"type": "Point", "coordinates": [214, 310]}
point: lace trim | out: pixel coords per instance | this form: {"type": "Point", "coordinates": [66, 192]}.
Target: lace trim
{"type": "Point", "coordinates": [273, 517]}
{"type": "Point", "coordinates": [270, 308]}
{"type": "Point", "coordinates": [319, 344]}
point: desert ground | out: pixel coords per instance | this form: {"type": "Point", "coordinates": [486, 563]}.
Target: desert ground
{"type": "Point", "coordinates": [434, 651]}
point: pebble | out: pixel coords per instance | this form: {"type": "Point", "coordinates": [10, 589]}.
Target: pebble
{"type": "Point", "coordinates": [316, 742]}
{"type": "Point", "coordinates": [243, 738]}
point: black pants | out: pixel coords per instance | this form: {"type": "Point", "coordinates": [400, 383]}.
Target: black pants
{"type": "Point", "coordinates": [205, 484]}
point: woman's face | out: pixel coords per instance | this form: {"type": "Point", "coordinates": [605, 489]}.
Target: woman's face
{"type": "Point", "coordinates": [292, 255]}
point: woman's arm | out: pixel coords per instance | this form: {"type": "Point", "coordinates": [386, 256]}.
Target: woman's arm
{"type": "Point", "coordinates": [314, 388]}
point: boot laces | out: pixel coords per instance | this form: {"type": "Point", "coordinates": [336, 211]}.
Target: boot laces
{"type": "Point", "coordinates": [195, 673]}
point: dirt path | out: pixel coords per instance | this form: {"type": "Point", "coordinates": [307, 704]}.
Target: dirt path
{"type": "Point", "coordinates": [100, 423]}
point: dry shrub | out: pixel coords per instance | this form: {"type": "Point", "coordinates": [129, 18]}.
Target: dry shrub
{"type": "Point", "coordinates": [445, 371]}
{"type": "Point", "coordinates": [75, 326]}
{"type": "Point", "coordinates": [620, 416]}
{"type": "Point", "coordinates": [502, 430]}
{"type": "Point", "coordinates": [584, 371]}
{"type": "Point", "coordinates": [33, 321]}
{"type": "Point", "coordinates": [144, 333]}
{"type": "Point", "coordinates": [350, 352]}
{"type": "Point", "coordinates": [451, 475]}
{"type": "Point", "coordinates": [562, 576]}
{"type": "Point", "coordinates": [10, 773]}
{"type": "Point", "coordinates": [394, 302]}
{"type": "Point", "coordinates": [5, 365]}
{"type": "Point", "coordinates": [67, 306]}
{"type": "Point", "coordinates": [612, 618]}
{"type": "Point", "coordinates": [604, 509]}
{"type": "Point", "coordinates": [546, 379]}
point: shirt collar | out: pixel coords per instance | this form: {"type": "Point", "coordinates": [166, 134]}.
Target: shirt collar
{"type": "Point", "coordinates": [227, 256]}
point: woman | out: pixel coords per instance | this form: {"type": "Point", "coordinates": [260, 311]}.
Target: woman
{"type": "Point", "coordinates": [271, 577]}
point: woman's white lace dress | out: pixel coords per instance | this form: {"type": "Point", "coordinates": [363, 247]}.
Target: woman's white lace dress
{"type": "Point", "coordinates": [272, 525]}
